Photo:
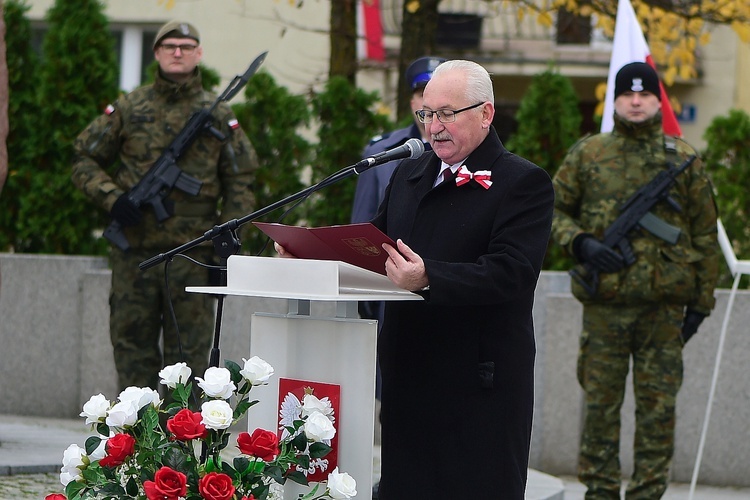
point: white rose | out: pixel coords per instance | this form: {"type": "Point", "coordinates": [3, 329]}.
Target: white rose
{"type": "Point", "coordinates": [319, 428]}
{"type": "Point", "coordinates": [341, 485]}
{"type": "Point", "coordinates": [175, 374]}
{"type": "Point", "coordinates": [123, 414]}
{"type": "Point", "coordinates": [73, 464]}
{"type": "Point", "coordinates": [95, 409]}
{"type": "Point", "coordinates": [311, 404]}
{"type": "Point", "coordinates": [217, 383]}
{"type": "Point", "coordinates": [256, 371]}
{"type": "Point", "coordinates": [140, 396]}
{"type": "Point", "coordinates": [217, 414]}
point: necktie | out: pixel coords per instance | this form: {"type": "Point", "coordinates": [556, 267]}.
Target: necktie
{"type": "Point", "coordinates": [445, 175]}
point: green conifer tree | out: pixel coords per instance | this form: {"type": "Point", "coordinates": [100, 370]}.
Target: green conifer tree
{"type": "Point", "coordinates": [549, 122]}
{"type": "Point", "coordinates": [78, 79]}
{"type": "Point", "coordinates": [23, 117]}
{"type": "Point", "coordinates": [347, 121]}
{"type": "Point", "coordinates": [727, 160]}
{"type": "Point", "coordinates": [273, 118]}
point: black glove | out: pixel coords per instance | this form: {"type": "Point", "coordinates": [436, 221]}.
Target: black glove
{"type": "Point", "coordinates": [600, 256]}
{"type": "Point", "coordinates": [125, 212]}
{"type": "Point", "coordinates": [690, 325]}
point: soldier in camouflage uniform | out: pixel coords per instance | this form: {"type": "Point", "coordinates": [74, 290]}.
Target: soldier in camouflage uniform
{"type": "Point", "coordinates": [112, 154]}
{"type": "Point", "coordinates": [648, 310]}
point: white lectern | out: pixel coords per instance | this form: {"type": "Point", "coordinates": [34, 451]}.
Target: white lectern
{"type": "Point", "coordinates": [337, 350]}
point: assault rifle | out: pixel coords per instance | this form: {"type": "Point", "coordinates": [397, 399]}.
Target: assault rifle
{"type": "Point", "coordinates": [164, 174]}
{"type": "Point", "coordinates": [634, 214]}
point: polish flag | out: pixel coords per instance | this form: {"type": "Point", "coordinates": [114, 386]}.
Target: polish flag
{"type": "Point", "coordinates": [369, 31]}
{"type": "Point", "coordinates": [630, 46]}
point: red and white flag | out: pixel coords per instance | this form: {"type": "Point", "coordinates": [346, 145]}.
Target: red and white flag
{"type": "Point", "coordinates": [630, 46]}
{"type": "Point", "coordinates": [369, 31]}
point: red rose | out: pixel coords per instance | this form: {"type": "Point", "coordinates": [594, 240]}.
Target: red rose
{"type": "Point", "coordinates": [186, 425]}
{"type": "Point", "coordinates": [251, 497]}
{"type": "Point", "coordinates": [59, 496]}
{"type": "Point", "coordinates": [168, 484]}
{"type": "Point", "coordinates": [118, 447]}
{"type": "Point", "coordinates": [216, 486]}
{"type": "Point", "coordinates": [262, 444]}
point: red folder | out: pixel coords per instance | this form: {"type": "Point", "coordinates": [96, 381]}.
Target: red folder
{"type": "Point", "coordinates": [356, 244]}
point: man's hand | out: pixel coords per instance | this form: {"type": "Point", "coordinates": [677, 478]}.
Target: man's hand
{"type": "Point", "coordinates": [600, 256]}
{"type": "Point", "coordinates": [404, 267]}
{"type": "Point", "coordinates": [125, 212]}
{"type": "Point", "coordinates": [283, 252]}
{"type": "Point", "coordinates": [690, 325]}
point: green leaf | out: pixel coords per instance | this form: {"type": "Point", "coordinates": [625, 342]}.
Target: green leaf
{"type": "Point", "coordinates": [300, 442]}
{"type": "Point", "coordinates": [102, 429]}
{"type": "Point", "coordinates": [150, 418]}
{"type": "Point", "coordinates": [319, 450]}
{"type": "Point", "coordinates": [297, 477]}
{"type": "Point", "coordinates": [182, 393]}
{"type": "Point", "coordinates": [242, 464]}
{"type": "Point", "coordinates": [234, 370]}
{"type": "Point", "coordinates": [242, 407]}
{"type": "Point", "coordinates": [176, 460]}
{"type": "Point", "coordinates": [74, 489]}
{"type": "Point", "coordinates": [92, 443]}
{"type": "Point", "coordinates": [303, 461]}
{"type": "Point", "coordinates": [261, 492]}
{"type": "Point", "coordinates": [275, 472]}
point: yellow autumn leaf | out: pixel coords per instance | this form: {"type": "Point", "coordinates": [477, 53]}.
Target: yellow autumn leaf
{"type": "Point", "coordinates": [676, 104]}
{"type": "Point", "coordinates": [668, 77]}
{"type": "Point", "coordinates": [742, 30]}
{"type": "Point", "coordinates": [706, 37]}
{"type": "Point", "coordinates": [413, 6]}
{"type": "Point", "coordinates": [599, 110]}
{"type": "Point", "coordinates": [600, 92]}
{"type": "Point", "coordinates": [544, 19]}
{"type": "Point", "coordinates": [695, 25]}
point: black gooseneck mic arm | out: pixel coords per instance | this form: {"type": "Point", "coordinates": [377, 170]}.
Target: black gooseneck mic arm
{"type": "Point", "coordinates": [229, 246]}
{"type": "Point", "coordinates": [225, 239]}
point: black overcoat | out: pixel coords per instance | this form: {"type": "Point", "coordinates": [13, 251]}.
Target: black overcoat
{"type": "Point", "coordinates": [458, 368]}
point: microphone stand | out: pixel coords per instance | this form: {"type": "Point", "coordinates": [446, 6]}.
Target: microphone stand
{"type": "Point", "coordinates": [227, 243]}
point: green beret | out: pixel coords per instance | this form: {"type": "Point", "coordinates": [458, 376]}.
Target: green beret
{"type": "Point", "coordinates": [177, 29]}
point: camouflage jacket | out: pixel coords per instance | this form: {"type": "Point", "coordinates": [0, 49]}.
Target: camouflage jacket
{"type": "Point", "coordinates": [599, 174]}
{"type": "Point", "coordinates": [117, 149]}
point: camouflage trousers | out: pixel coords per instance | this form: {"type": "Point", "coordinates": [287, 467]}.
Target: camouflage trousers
{"type": "Point", "coordinates": [140, 313]}
{"type": "Point", "coordinates": [612, 335]}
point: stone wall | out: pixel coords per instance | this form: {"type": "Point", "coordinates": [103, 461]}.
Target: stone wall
{"type": "Point", "coordinates": [54, 323]}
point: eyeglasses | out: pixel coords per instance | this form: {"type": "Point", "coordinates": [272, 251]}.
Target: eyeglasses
{"type": "Point", "coordinates": [185, 48]}
{"type": "Point", "coordinates": [443, 115]}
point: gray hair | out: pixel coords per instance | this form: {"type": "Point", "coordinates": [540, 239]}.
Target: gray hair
{"type": "Point", "coordinates": [478, 81]}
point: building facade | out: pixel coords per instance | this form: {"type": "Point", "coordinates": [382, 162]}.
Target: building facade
{"type": "Point", "coordinates": [295, 34]}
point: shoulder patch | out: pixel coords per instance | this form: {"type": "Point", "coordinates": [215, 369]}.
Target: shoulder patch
{"type": "Point", "coordinates": [234, 124]}
{"type": "Point", "coordinates": [109, 110]}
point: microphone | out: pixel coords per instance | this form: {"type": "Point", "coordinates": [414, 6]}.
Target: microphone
{"type": "Point", "coordinates": [413, 148]}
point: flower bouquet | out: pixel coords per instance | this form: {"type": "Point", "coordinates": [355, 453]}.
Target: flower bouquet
{"type": "Point", "coordinates": [132, 455]}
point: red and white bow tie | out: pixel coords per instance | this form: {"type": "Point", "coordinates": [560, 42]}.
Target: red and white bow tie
{"type": "Point", "coordinates": [464, 175]}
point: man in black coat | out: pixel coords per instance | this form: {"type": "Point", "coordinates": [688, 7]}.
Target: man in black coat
{"type": "Point", "coordinates": [458, 367]}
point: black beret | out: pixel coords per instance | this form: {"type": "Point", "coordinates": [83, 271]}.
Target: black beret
{"type": "Point", "coordinates": [637, 77]}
